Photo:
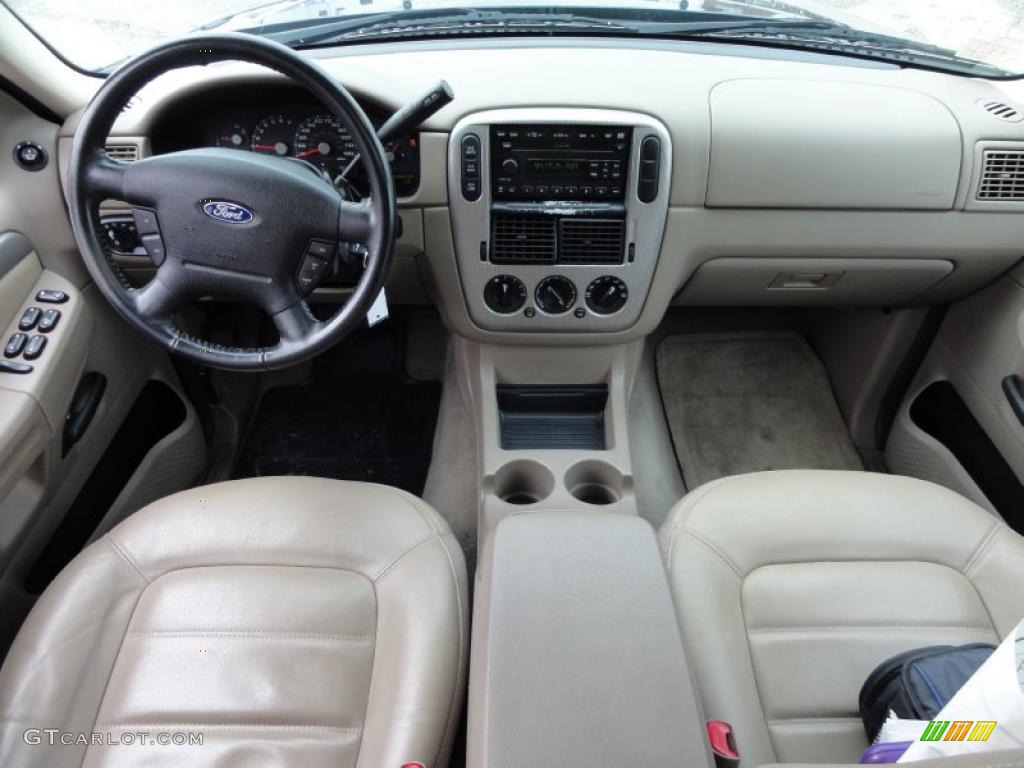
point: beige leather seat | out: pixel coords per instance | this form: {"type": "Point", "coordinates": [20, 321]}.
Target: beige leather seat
{"type": "Point", "coordinates": [290, 621]}
{"type": "Point", "coordinates": [790, 587]}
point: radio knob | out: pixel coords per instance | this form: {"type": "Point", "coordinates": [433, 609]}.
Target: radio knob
{"type": "Point", "coordinates": [509, 166]}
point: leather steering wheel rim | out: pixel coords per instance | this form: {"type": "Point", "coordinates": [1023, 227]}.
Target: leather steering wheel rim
{"type": "Point", "coordinates": [239, 259]}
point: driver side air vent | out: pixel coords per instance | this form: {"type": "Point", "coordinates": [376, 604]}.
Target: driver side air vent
{"type": "Point", "coordinates": [522, 238]}
{"type": "Point", "coordinates": [1002, 111]}
{"type": "Point", "coordinates": [125, 152]}
{"type": "Point", "coordinates": [1002, 176]}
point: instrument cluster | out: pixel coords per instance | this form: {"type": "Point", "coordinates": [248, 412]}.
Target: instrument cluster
{"type": "Point", "coordinates": [287, 125]}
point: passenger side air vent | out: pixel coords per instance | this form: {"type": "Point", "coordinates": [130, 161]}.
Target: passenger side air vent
{"type": "Point", "coordinates": [1002, 111]}
{"type": "Point", "coordinates": [125, 152]}
{"type": "Point", "coordinates": [522, 238]}
{"type": "Point", "coordinates": [1002, 176]}
{"type": "Point", "coordinates": [591, 241]}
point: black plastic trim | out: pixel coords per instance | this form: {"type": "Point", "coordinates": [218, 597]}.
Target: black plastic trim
{"type": "Point", "coordinates": [552, 416]}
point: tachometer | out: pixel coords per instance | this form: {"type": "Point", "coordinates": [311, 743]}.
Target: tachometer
{"type": "Point", "coordinates": [273, 135]}
{"type": "Point", "coordinates": [323, 141]}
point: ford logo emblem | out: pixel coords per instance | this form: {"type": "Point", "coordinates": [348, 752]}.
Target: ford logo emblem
{"type": "Point", "coordinates": [229, 212]}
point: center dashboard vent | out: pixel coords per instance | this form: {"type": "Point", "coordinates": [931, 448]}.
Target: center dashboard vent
{"type": "Point", "coordinates": [1002, 176]}
{"type": "Point", "coordinates": [523, 238]}
{"type": "Point", "coordinates": [591, 241]}
{"type": "Point", "coordinates": [527, 238]}
{"type": "Point", "coordinates": [125, 152]}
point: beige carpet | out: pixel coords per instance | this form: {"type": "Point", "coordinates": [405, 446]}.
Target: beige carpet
{"type": "Point", "coordinates": [747, 402]}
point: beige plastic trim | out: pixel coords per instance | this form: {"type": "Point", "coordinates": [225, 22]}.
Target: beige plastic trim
{"type": "Point", "coordinates": [516, 481]}
{"type": "Point", "coordinates": [802, 282]}
{"type": "Point", "coordinates": [803, 144]}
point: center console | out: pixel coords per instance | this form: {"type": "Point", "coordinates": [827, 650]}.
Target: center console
{"type": "Point", "coordinates": [558, 216]}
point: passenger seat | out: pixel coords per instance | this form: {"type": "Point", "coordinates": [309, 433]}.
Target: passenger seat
{"type": "Point", "coordinates": [792, 586]}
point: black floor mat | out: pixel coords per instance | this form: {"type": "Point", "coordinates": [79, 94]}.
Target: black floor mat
{"type": "Point", "coordinates": [357, 418]}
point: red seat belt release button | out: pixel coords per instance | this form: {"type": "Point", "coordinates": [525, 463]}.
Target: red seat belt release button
{"type": "Point", "coordinates": [723, 744]}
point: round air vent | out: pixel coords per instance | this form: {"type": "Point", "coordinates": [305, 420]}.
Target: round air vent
{"type": "Point", "coordinates": [1002, 110]}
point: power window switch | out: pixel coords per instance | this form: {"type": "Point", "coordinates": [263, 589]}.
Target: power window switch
{"type": "Point", "coordinates": [51, 297]}
{"type": "Point", "coordinates": [48, 321]}
{"type": "Point", "coordinates": [34, 348]}
{"type": "Point", "coordinates": [15, 344]}
{"type": "Point", "coordinates": [29, 318]}
{"type": "Point", "coordinates": [10, 366]}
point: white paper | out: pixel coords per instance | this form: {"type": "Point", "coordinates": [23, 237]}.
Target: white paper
{"type": "Point", "coordinates": [378, 312]}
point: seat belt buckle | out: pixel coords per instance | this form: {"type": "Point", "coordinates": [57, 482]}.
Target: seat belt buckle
{"type": "Point", "coordinates": [723, 744]}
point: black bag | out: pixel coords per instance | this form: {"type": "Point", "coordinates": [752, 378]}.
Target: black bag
{"type": "Point", "coordinates": [917, 684]}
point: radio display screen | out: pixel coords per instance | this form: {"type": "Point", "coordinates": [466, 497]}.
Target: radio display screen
{"type": "Point", "coordinates": [539, 165]}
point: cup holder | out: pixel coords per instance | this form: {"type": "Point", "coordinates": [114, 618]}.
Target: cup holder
{"type": "Point", "coordinates": [594, 482]}
{"type": "Point", "coordinates": [523, 482]}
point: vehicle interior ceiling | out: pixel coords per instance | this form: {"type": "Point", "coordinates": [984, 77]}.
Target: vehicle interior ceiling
{"type": "Point", "coordinates": [621, 271]}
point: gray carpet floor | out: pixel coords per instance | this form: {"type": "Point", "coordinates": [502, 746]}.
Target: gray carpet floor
{"type": "Point", "coordinates": [745, 402]}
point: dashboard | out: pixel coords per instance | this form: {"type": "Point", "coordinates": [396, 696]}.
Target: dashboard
{"type": "Point", "coordinates": [816, 181]}
{"type": "Point", "coordinates": [282, 121]}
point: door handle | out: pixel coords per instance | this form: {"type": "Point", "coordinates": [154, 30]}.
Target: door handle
{"type": "Point", "coordinates": [1012, 390]}
{"type": "Point", "coordinates": [84, 405]}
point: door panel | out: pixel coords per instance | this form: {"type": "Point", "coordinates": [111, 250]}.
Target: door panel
{"type": "Point", "coordinates": [980, 343]}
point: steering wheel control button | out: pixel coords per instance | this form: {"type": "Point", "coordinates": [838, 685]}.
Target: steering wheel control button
{"type": "Point", "coordinates": [555, 295]}
{"type": "Point", "coordinates": [30, 156]}
{"type": "Point", "coordinates": [650, 157]}
{"type": "Point", "coordinates": [313, 270]}
{"type": "Point", "coordinates": [52, 297]}
{"type": "Point", "coordinates": [9, 366]}
{"type": "Point", "coordinates": [48, 321]}
{"type": "Point", "coordinates": [320, 249]}
{"type": "Point", "coordinates": [145, 221]}
{"type": "Point", "coordinates": [471, 167]}
{"type": "Point", "coordinates": [15, 344]}
{"type": "Point", "coordinates": [606, 295]}
{"type": "Point", "coordinates": [29, 318]}
{"type": "Point", "coordinates": [34, 348]}
{"type": "Point", "coordinates": [505, 294]}
{"type": "Point", "coordinates": [154, 246]}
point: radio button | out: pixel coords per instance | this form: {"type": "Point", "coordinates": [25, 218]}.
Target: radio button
{"type": "Point", "coordinates": [526, 189]}
{"type": "Point", "coordinates": [557, 191]}
{"type": "Point", "coordinates": [542, 190]}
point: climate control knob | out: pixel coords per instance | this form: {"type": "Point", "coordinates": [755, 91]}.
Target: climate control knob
{"type": "Point", "coordinates": [606, 295]}
{"type": "Point", "coordinates": [505, 294]}
{"type": "Point", "coordinates": [509, 166]}
{"type": "Point", "coordinates": [555, 295]}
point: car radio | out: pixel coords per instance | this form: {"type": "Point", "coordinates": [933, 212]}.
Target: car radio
{"type": "Point", "coordinates": [559, 162]}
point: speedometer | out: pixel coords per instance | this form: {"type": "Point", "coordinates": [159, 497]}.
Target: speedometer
{"type": "Point", "coordinates": [323, 141]}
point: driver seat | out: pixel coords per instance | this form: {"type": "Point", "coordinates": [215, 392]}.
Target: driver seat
{"type": "Point", "coordinates": [288, 620]}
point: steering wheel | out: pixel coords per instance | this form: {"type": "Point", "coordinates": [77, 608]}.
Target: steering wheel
{"type": "Point", "coordinates": [218, 222]}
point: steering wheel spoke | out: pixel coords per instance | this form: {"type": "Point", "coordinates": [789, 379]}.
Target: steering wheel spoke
{"type": "Point", "coordinates": [156, 301]}
{"type": "Point", "coordinates": [105, 178]}
{"type": "Point", "coordinates": [356, 222]}
{"type": "Point", "coordinates": [296, 324]}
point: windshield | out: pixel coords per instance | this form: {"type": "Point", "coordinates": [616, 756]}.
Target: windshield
{"type": "Point", "coordinates": [978, 37]}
